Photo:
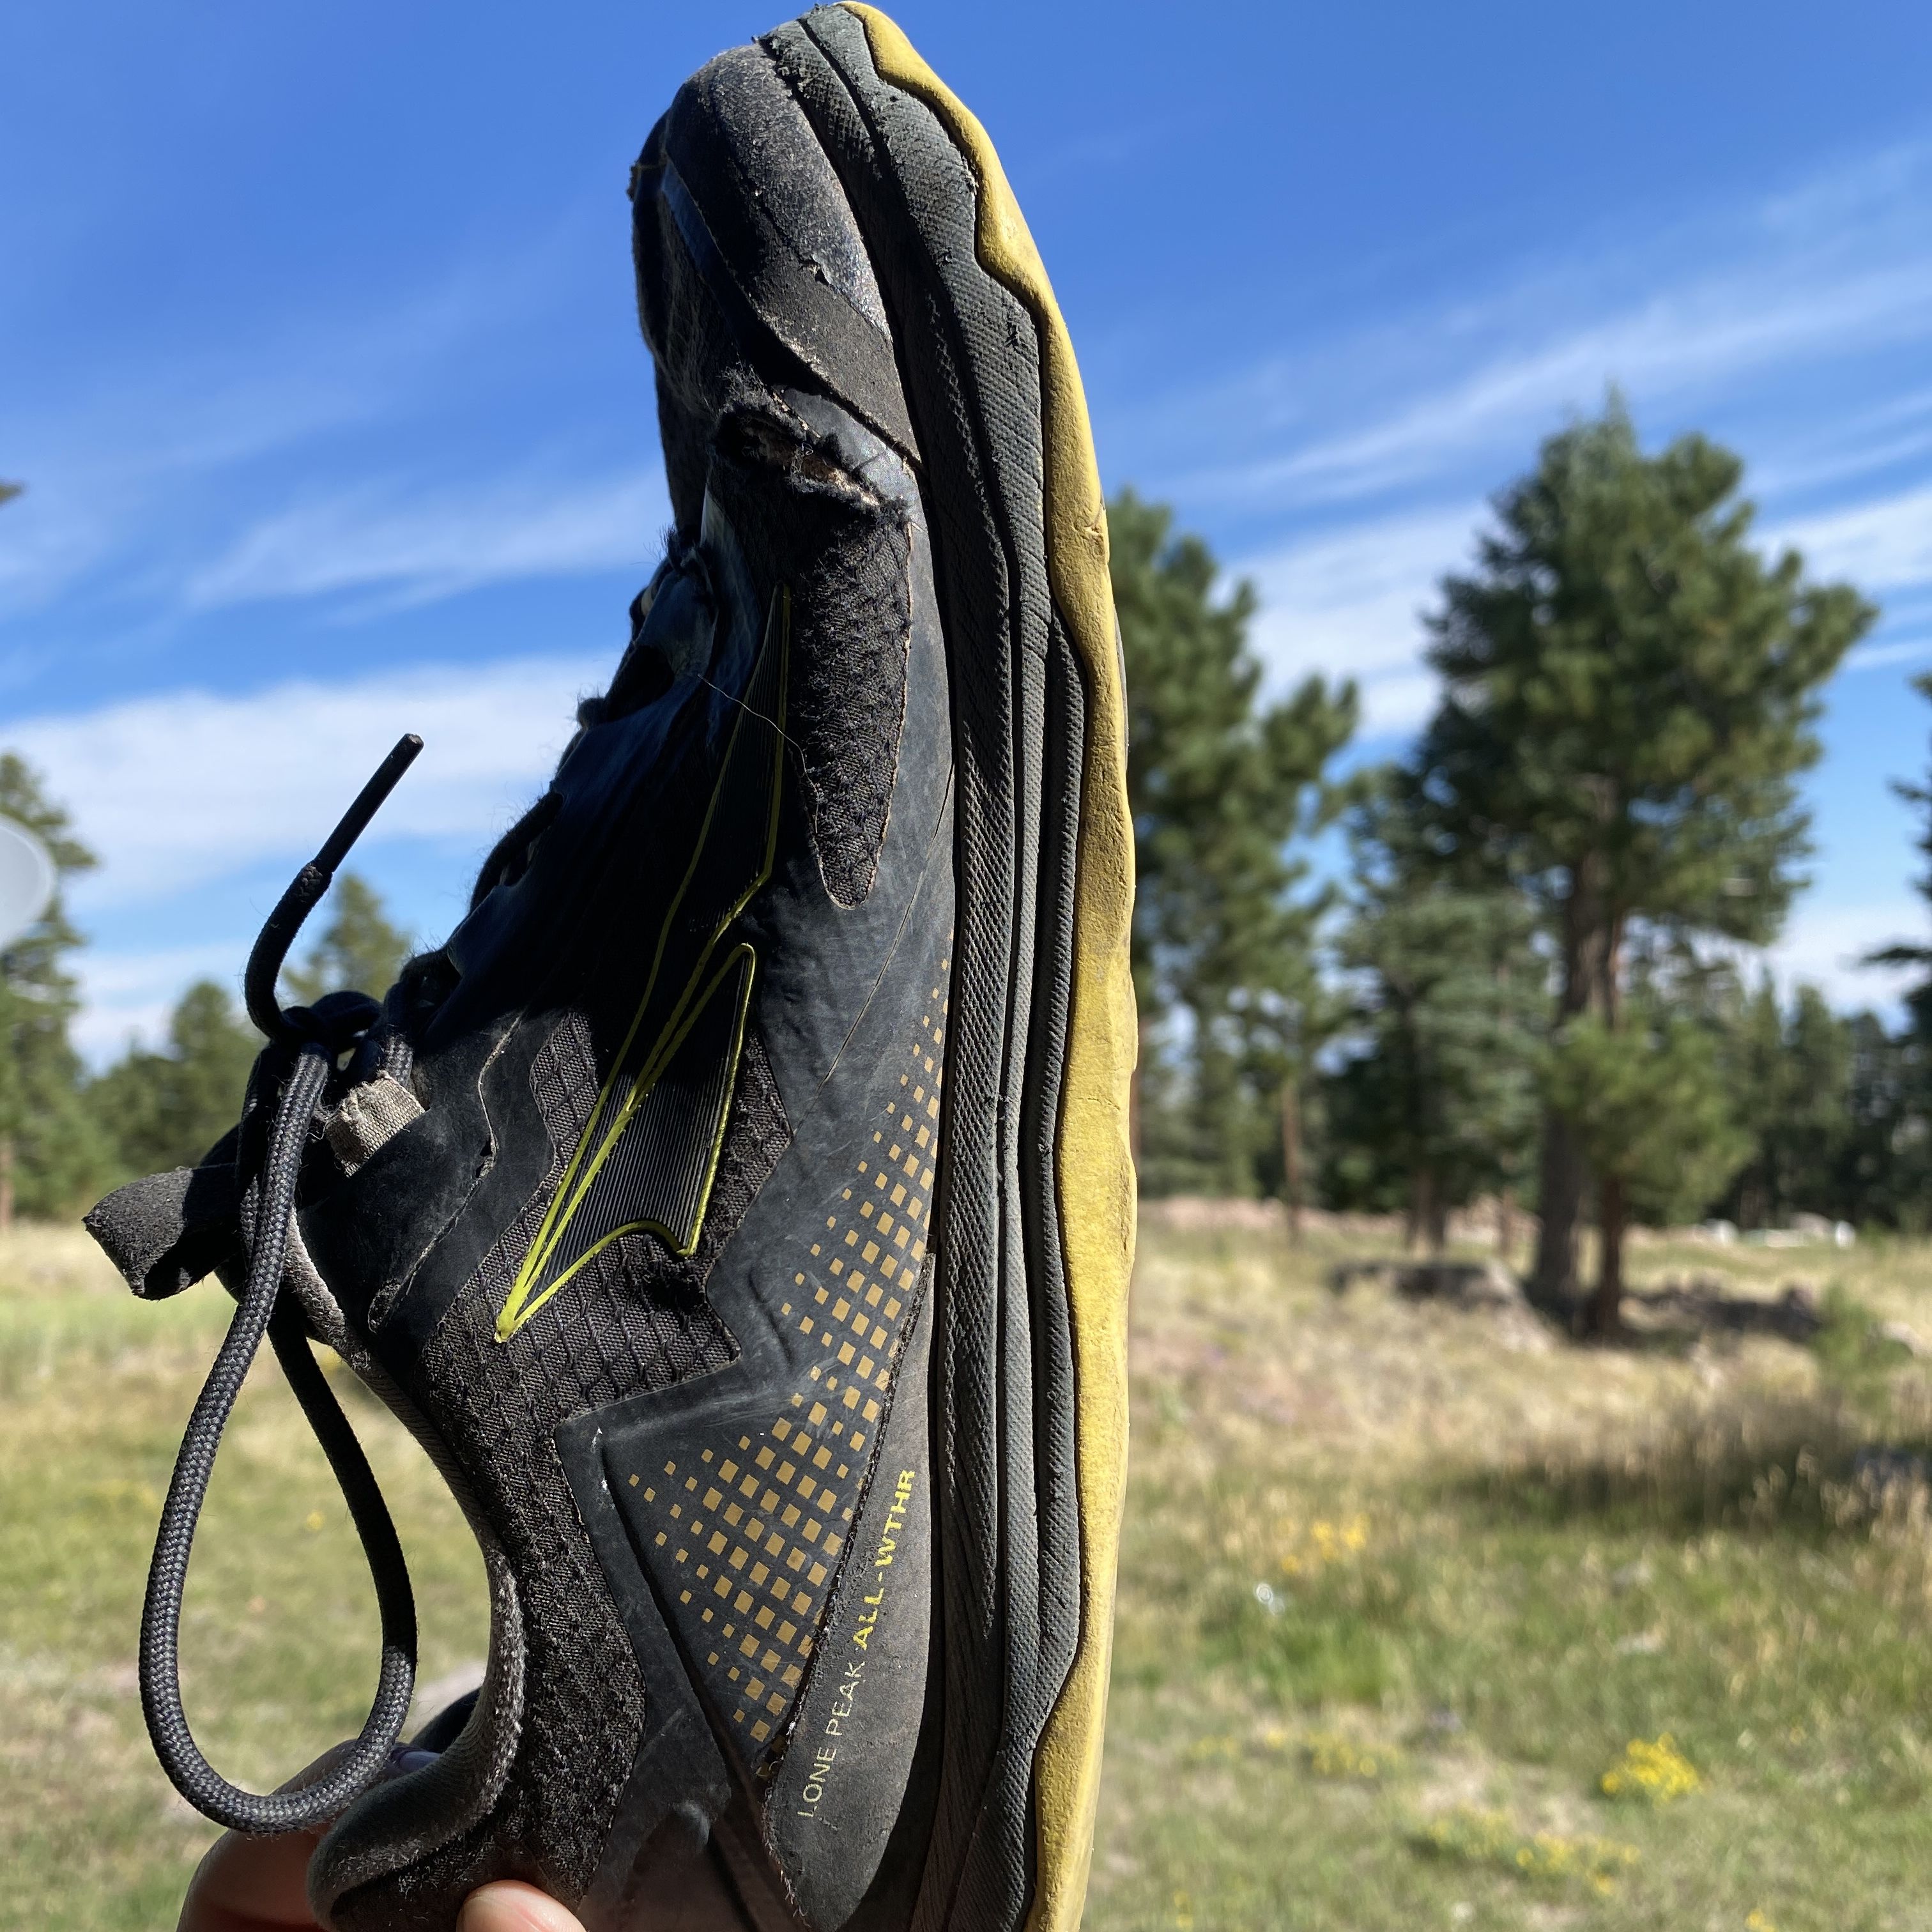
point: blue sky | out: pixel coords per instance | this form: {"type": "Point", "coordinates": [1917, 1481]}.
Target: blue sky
{"type": "Point", "coordinates": [317, 355]}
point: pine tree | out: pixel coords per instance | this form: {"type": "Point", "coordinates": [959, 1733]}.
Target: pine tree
{"type": "Point", "coordinates": [1883, 1170]}
{"type": "Point", "coordinates": [166, 1110]}
{"type": "Point", "coordinates": [1788, 1071]}
{"type": "Point", "coordinates": [50, 1155]}
{"type": "Point", "coordinates": [1889, 1169]}
{"type": "Point", "coordinates": [358, 950]}
{"type": "Point", "coordinates": [1630, 691]}
{"type": "Point", "coordinates": [1438, 1103]}
{"type": "Point", "coordinates": [1219, 783]}
{"type": "Point", "coordinates": [1910, 952]}
{"type": "Point", "coordinates": [1646, 1103]}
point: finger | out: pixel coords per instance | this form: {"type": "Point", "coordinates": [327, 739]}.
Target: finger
{"type": "Point", "coordinates": [259, 1885]}
{"type": "Point", "coordinates": [510, 1906]}
{"type": "Point", "coordinates": [251, 1885]}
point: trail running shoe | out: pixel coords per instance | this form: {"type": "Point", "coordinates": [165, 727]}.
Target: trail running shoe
{"type": "Point", "coordinates": [738, 1206]}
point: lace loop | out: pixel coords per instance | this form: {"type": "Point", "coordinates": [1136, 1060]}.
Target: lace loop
{"type": "Point", "coordinates": [308, 1041]}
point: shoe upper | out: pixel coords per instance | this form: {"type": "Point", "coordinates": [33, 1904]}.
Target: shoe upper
{"type": "Point", "coordinates": [623, 1202]}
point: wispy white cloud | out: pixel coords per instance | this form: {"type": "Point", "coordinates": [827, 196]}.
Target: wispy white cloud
{"type": "Point", "coordinates": [1397, 704]}
{"type": "Point", "coordinates": [1871, 440]}
{"type": "Point", "coordinates": [129, 996]}
{"type": "Point", "coordinates": [1725, 329]}
{"type": "Point", "coordinates": [1882, 545]}
{"type": "Point", "coordinates": [1855, 194]}
{"type": "Point", "coordinates": [115, 454]}
{"type": "Point", "coordinates": [451, 541]}
{"type": "Point", "coordinates": [101, 471]}
{"type": "Point", "coordinates": [1349, 602]}
{"type": "Point", "coordinates": [176, 790]}
{"type": "Point", "coordinates": [1822, 944]}
{"type": "Point", "coordinates": [1707, 308]}
{"type": "Point", "coordinates": [1896, 650]}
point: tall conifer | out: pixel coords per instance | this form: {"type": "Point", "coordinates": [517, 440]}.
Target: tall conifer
{"type": "Point", "coordinates": [1630, 691]}
{"type": "Point", "coordinates": [50, 1154]}
{"type": "Point", "coordinates": [1220, 781]}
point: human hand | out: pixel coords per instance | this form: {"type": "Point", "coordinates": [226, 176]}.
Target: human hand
{"type": "Point", "coordinates": [260, 1884]}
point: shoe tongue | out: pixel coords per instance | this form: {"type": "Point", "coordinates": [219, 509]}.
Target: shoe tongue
{"type": "Point", "coordinates": [675, 630]}
{"type": "Point", "coordinates": [167, 1232]}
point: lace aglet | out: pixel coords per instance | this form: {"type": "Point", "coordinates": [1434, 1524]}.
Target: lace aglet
{"type": "Point", "coordinates": [368, 801]}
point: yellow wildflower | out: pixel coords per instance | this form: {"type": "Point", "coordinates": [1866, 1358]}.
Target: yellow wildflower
{"type": "Point", "coordinates": [1329, 1755]}
{"type": "Point", "coordinates": [1656, 1770]}
{"type": "Point", "coordinates": [1325, 1543]}
{"type": "Point", "coordinates": [1490, 1838]}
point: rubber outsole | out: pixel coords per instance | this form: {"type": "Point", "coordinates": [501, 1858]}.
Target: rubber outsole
{"type": "Point", "coordinates": [1094, 1163]}
{"type": "Point", "coordinates": [1072, 1057]}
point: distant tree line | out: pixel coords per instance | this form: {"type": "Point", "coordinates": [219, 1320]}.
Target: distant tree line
{"type": "Point", "coordinates": [1523, 983]}
{"type": "Point", "coordinates": [66, 1136]}
{"type": "Point", "coordinates": [1528, 985]}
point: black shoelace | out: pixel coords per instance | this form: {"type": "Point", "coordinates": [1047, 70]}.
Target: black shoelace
{"type": "Point", "coordinates": [305, 1045]}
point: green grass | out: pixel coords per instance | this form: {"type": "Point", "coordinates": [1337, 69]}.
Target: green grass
{"type": "Point", "coordinates": [279, 1638]}
{"type": "Point", "coordinates": [1400, 1585]}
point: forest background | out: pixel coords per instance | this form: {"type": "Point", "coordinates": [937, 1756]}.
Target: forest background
{"type": "Point", "coordinates": [1530, 983]}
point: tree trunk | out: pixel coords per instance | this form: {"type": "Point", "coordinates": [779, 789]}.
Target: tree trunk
{"type": "Point", "coordinates": [1552, 1281]}
{"type": "Point", "coordinates": [1435, 1227]}
{"type": "Point", "coordinates": [1753, 1202]}
{"type": "Point", "coordinates": [1426, 1213]}
{"type": "Point", "coordinates": [6, 1183]}
{"type": "Point", "coordinates": [1291, 1156]}
{"type": "Point", "coordinates": [1605, 1314]}
{"type": "Point", "coordinates": [1590, 942]}
{"type": "Point", "coordinates": [1505, 1223]}
{"type": "Point", "coordinates": [1134, 1096]}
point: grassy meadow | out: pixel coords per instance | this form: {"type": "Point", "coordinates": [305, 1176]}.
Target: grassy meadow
{"type": "Point", "coordinates": [1425, 1619]}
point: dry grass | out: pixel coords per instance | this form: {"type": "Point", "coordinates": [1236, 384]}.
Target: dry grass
{"type": "Point", "coordinates": [1487, 1563]}
{"type": "Point", "coordinates": [1400, 1585]}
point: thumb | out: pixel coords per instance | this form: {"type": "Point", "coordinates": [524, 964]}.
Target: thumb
{"type": "Point", "coordinates": [510, 1906]}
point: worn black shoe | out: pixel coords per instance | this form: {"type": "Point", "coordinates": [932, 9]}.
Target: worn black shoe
{"type": "Point", "coordinates": [738, 1206]}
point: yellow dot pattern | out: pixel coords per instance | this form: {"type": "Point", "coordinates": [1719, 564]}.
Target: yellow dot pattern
{"type": "Point", "coordinates": [749, 1532]}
